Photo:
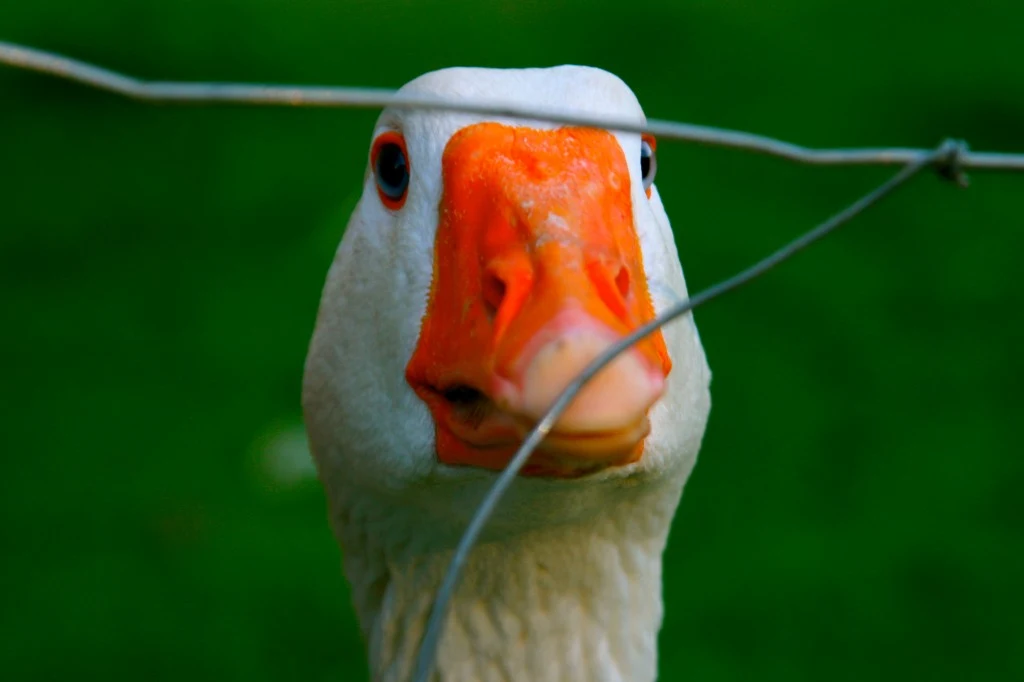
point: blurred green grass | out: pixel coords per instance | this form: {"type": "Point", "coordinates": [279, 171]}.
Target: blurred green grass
{"type": "Point", "coordinates": [856, 510]}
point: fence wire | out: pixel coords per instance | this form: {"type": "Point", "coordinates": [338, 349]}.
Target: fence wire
{"type": "Point", "coordinates": [951, 159]}
{"type": "Point", "coordinates": [363, 98]}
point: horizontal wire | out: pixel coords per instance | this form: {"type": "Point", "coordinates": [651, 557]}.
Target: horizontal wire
{"type": "Point", "coordinates": [428, 649]}
{"type": "Point", "coordinates": [309, 96]}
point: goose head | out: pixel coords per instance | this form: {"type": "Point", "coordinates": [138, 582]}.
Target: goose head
{"type": "Point", "coordinates": [486, 263]}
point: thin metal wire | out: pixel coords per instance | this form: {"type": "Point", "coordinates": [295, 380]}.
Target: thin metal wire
{"type": "Point", "coordinates": [948, 153]}
{"type": "Point", "coordinates": [42, 61]}
{"type": "Point", "coordinates": [951, 159]}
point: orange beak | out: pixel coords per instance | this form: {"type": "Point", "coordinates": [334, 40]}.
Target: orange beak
{"type": "Point", "coordinates": [537, 270]}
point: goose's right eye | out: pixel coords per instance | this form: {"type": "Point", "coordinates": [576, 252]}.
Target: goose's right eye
{"type": "Point", "coordinates": [390, 162]}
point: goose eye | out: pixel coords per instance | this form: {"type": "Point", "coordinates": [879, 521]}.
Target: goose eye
{"type": "Point", "coordinates": [648, 161]}
{"type": "Point", "coordinates": [390, 162]}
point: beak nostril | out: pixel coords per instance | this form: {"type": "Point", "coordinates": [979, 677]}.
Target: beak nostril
{"type": "Point", "coordinates": [622, 281]}
{"type": "Point", "coordinates": [493, 292]}
{"type": "Point", "coordinates": [611, 282]}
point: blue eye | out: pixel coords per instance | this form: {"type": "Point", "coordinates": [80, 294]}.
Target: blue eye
{"type": "Point", "coordinates": [390, 163]}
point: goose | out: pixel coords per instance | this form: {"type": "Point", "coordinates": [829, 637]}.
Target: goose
{"type": "Point", "coordinates": [488, 261]}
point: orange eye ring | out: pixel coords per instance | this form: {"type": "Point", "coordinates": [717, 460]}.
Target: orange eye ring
{"type": "Point", "coordinates": [389, 161]}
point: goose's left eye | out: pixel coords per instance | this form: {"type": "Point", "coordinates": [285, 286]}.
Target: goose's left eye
{"type": "Point", "coordinates": [648, 161]}
{"type": "Point", "coordinates": [390, 162]}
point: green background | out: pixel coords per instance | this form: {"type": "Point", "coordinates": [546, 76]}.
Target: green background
{"type": "Point", "coordinates": [856, 513]}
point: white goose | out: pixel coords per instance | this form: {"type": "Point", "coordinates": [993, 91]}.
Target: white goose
{"type": "Point", "coordinates": [486, 263]}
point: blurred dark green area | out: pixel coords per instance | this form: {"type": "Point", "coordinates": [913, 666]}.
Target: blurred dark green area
{"type": "Point", "coordinates": [856, 512]}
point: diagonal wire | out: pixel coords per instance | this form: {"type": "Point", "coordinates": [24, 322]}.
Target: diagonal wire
{"type": "Point", "coordinates": [425, 661]}
{"type": "Point", "coordinates": [94, 76]}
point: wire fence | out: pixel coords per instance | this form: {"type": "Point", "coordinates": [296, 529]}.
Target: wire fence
{"type": "Point", "coordinates": [951, 160]}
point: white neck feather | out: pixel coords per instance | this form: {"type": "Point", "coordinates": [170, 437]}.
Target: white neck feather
{"type": "Point", "coordinates": [577, 601]}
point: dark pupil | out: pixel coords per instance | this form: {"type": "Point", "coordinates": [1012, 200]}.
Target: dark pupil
{"type": "Point", "coordinates": [392, 172]}
{"type": "Point", "coordinates": [645, 161]}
